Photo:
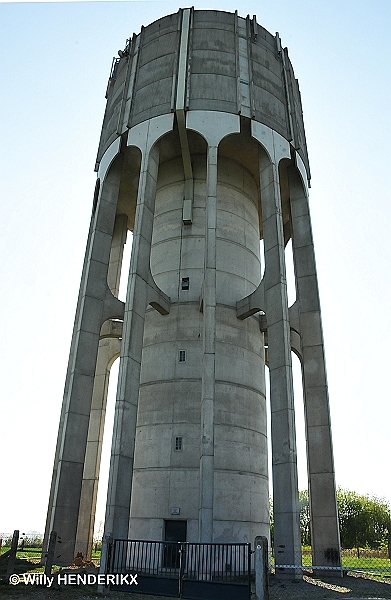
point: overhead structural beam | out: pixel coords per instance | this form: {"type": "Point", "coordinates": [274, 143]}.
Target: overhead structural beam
{"type": "Point", "coordinates": [181, 118]}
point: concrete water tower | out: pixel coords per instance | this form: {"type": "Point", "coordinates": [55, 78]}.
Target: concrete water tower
{"type": "Point", "coordinates": [202, 155]}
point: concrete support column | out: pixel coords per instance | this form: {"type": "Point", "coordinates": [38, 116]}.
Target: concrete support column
{"type": "Point", "coordinates": [138, 297]}
{"type": "Point", "coordinates": [287, 546]}
{"type": "Point", "coordinates": [64, 406]}
{"type": "Point", "coordinates": [117, 252]}
{"type": "Point", "coordinates": [205, 521]}
{"type": "Point", "coordinates": [109, 349]}
{"type": "Point", "coordinates": [322, 493]}
{"type": "Point", "coordinates": [96, 304]}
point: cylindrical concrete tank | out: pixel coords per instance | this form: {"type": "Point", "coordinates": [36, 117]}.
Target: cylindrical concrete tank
{"type": "Point", "coordinates": [227, 63]}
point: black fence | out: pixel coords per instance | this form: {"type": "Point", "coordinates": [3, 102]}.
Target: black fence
{"type": "Point", "coordinates": [183, 569]}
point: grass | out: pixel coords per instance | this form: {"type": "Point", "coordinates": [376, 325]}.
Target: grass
{"type": "Point", "coordinates": [366, 563]}
{"type": "Point", "coordinates": [370, 562]}
{"type": "Point", "coordinates": [33, 552]}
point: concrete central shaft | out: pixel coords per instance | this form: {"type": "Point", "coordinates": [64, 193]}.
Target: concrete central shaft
{"type": "Point", "coordinates": [221, 466]}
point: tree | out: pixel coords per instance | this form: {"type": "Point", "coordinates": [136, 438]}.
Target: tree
{"type": "Point", "coordinates": [305, 519]}
{"type": "Point", "coordinates": [365, 521]}
{"type": "Point", "coordinates": [271, 513]}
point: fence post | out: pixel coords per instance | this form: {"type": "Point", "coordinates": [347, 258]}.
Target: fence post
{"type": "Point", "coordinates": [261, 568]}
{"type": "Point", "coordinates": [105, 559]}
{"type": "Point", "coordinates": [12, 555]}
{"type": "Point", "coordinates": [50, 553]}
{"type": "Point", "coordinates": [105, 554]}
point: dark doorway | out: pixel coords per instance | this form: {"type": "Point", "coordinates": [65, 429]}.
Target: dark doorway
{"type": "Point", "coordinates": [174, 531]}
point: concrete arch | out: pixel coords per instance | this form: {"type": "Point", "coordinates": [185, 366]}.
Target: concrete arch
{"type": "Point", "coordinates": [213, 126]}
{"type": "Point", "coordinates": [301, 331]}
{"type": "Point", "coordinates": [142, 290]}
{"type": "Point", "coordinates": [307, 318]}
{"type": "Point", "coordinates": [269, 175]}
{"type": "Point", "coordinates": [242, 148]}
{"type": "Point", "coordinates": [180, 191]}
{"type": "Point", "coordinates": [96, 304]}
{"type": "Point", "coordinates": [271, 297]}
{"type": "Point", "coordinates": [129, 182]}
{"type": "Point", "coordinates": [204, 227]}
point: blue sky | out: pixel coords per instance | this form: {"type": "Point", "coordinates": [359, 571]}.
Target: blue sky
{"type": "Point", "coordinates": [55, 61]}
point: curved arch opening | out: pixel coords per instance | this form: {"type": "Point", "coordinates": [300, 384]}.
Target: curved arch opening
{"type": "Point", "coordinates": [121, 246]}
{"type": "Point", "coordinates": [177, 243]}
{"type": "Point", "coordinates": [290, 273]}
{"type": "Point", "coordinates": [109, 348]}
{"type": "Point", "coordinates": [300, 422]}
{"type": "Point", "coordinates": [106, 450]}
{"type": "Point", "coordinates": [299, 426]}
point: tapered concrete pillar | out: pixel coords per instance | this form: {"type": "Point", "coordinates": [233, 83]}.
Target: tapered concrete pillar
{"type": "Point", "coordinates": [213, 127]}
{"type": "Point", "coordinates": [108, 351]}
{"type": "Point", "coordinates": [287, 544]}
{"type": "Point", "coordinates": [66, 386]}
{"type": "Point", "coordinates": [96, 305]}
{"type": "Point", "coordinates": [205, 521]}
{"type": "Point", "coordinates": [325, 537]}
{"type": "Point", "coordinates": [117, 253]}
{"type": "Point", "coordinates": [142, 291]}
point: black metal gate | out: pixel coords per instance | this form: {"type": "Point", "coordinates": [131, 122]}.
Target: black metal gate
{"type": "Point", "coordinates": [182, 569]}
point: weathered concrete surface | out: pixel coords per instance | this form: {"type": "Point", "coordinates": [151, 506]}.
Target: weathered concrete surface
{"type": "Point", "coordinates": [321, 481]}
{"type": "Point", "coordinates": [170, 391]}
{"type": "Point", "coordinates": [234, 66]}
{"type": "Point", "coordinates": [96, 305]}
{"type": "Point", "coordinates": [202, 155]}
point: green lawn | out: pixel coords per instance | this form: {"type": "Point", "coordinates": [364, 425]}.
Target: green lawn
{"type": "Point", "coordinates": [348, 561]}
{"type": "Point", "coordinates": [353, 563]}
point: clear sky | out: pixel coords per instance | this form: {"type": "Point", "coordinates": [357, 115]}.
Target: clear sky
{"type": "Point", "coordinates": [55, 60]}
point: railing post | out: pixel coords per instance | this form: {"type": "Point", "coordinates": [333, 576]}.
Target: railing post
{"type": "Point", "coordinates": [12, 555]}
{"type": "Point", "coordinates": [261, 568]}
{"type": "Point", "coordinates": [50, 553]}
{"type": "Point", "coordinates": [249, 553]}
{"type": "Point", "coordinates": [105, 559]}
{"type": "Point", "coordinates": [181, 568]}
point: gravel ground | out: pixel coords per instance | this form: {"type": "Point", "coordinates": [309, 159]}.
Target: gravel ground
{"type": "Point", "coordinates": [351, 587]}
{"type": "Point", "coordinates": [30, 592]}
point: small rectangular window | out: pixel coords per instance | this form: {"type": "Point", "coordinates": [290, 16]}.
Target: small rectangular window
{"type": "Point", "coordinates": [178, 443]}
{"type": "Point", "coordinates": [182, 355]}
{"type": "Point", "coordinates": [185, 283]}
